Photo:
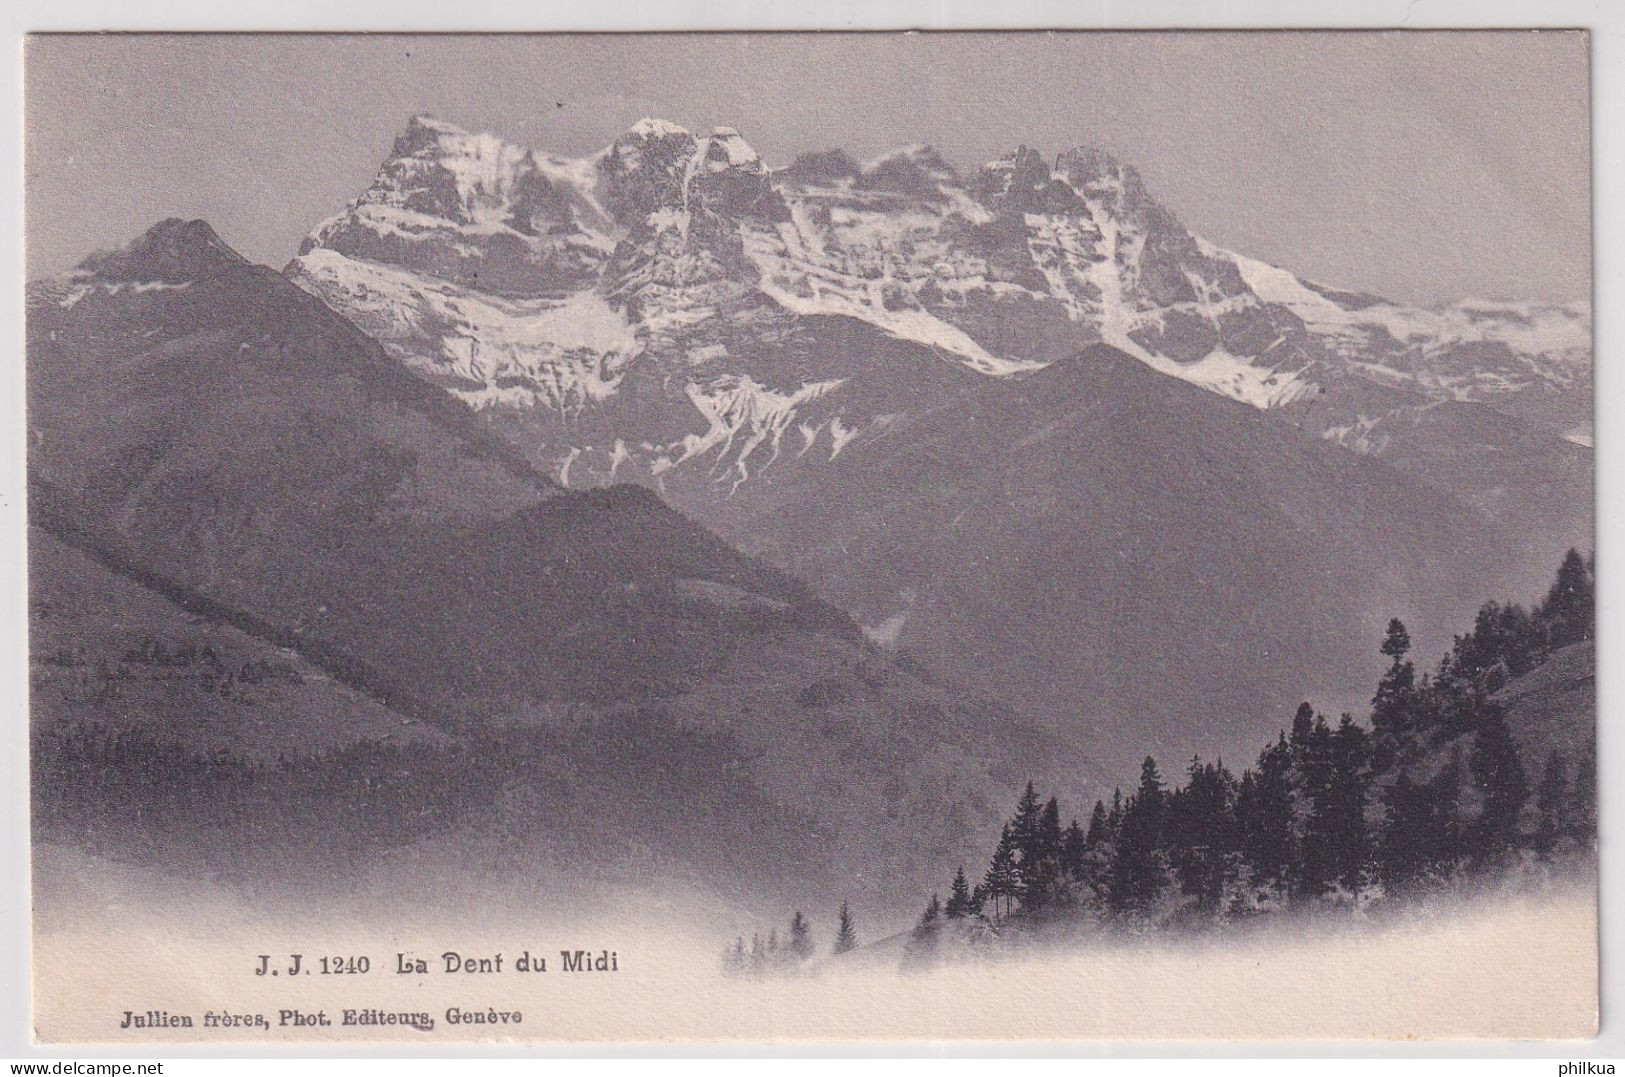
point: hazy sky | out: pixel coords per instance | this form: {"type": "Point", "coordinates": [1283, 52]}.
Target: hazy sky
{"type": "Point", "coordinates": [1421, 166]}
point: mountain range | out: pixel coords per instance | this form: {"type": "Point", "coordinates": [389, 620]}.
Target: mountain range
{"type": "Point", "coordinates": [746, 340]}
{"type": "Point", "coordinates": [810, 497]}
{"type": "Point", "coordinates": [523, 280]}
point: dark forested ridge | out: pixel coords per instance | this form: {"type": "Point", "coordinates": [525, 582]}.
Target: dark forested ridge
{"type": "Point", "coordinates": [1447, 781]}
{"type": "Point", "coordinates": [1434, 786]}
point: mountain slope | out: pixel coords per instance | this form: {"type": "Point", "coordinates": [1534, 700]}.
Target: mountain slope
{"type": "Point", "coordinates": [1167, 571]}
{"type": "Point", "coordinates": [108, 651]}
{"type": "Point", "coordinates": [1553, 708]}
{"type": "Point", "coordinates": [225, 438]}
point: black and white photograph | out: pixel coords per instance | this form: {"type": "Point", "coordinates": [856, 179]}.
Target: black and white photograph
{"type": "Point", "coordinates": [810, 537]}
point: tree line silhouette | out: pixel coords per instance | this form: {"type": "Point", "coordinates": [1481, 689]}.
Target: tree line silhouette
{"type": "Point", "coordinates": [1433, 789]}
{"type": "Point", "coordinates": [771, 956]}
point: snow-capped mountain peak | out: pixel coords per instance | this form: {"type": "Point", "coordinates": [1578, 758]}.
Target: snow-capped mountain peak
{"type": "Point", "coordinates": [440, 170]}
{"type": "Point", "coordinates": [726, 148]}
{"type": "Point", "coordinates": [678, 268]}
{"type": "Point", "coordinates": [651, 127]}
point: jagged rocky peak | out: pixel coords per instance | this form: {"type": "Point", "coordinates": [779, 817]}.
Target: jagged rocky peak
{"type": "Point", "coordinates": [728, 179]}
{"type": "Point", "coordinates": [424, 132]}
{"type": "Point", "coordinates": [471, 208]}
{"type": "Point", "coordinates": [649, 127]}
{"type": "Point", "coordinates": [658, 166]}
{"type": "Point", "coordinates": [650, 145]}
{"type": "Point", "coordinates": [1094, 173]}
{"type": "Point", "coordinates": [1022, 167]}
{"type": "Point", "coordinates": [821, 167]}
{"type": "Point", "coordinates": [916, 171]}
{"type": "Point", "coordinates": [727, 149]}
{"type": "Point", "coordinates": [173, 251]}
{"type": "Point", "coordinates": [441, 170]}
{"type": "Point", "coordinates": [645, 170]}
{"type": "Point", "coordinates": [1021, 182]}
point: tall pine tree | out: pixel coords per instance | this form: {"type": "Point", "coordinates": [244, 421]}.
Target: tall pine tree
{"type": "Point", "coordinates": [1097, 831]}
{"type": "Point", "coordinates": [1583, 798]}
{"type": "Point", "coordinates": [1344, 826]}
{"type": "Point", "coordinates": [1569, 613]}
{"type": "Point", "coordinates": [1393, 707]}
{"type": "Point", "coordinates": [1026, 841]}
{"type": "Point", "coordinates": [1268, 838]}
{"type": "Point", "coordinates": [1002, 884]}
{"type": "Point", "coordinates": [1075, 848]}
{"type": "Point", "coordinates": [1551, 800]}
{"type": "Point", "coordinates": [800, 937]}
{"type": "Point", "coordinates": [1502, 786]}
{"type": "Point", "coordinates": [1041, 862]}
{"type": "Point", "coordinates": [846, 934]}
{"type": "Point", "coordinates": [1139, 868]}
{"type": "Point", "coordinates": [959, 897]}
{"type": "Point", "coordinates": [1317, 869]}
{"type": "Point", "coordinates": [1201, 835]}
{"type": "Point", "coordinates": [925, 940]}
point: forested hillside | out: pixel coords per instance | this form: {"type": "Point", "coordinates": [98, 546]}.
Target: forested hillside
{"type": "Point", "coordinates": [1481, 767]}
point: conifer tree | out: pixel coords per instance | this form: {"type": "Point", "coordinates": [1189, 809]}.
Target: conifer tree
{"type": "Point", "coordinates": [1024, 824]}
{"type": "Point", "coordinates": [1407, 832]}
{"type": "Point", "coordinates": [1583, 798]}
{"type": "Point", "coordinates": [1040, 865]}
{"type": "Point", "coordinates": [1551, 798]}
{"type": "Point", "coordinates": [1316, 869]}
{"type": "Point", "coordinates": [1266, 821]}
{"type": "Point", "coordinates": [1100, 852]}
{"type": "Point", "coordinates": [1026, 840]}
{"type": "Point", "coordinates": [925, 938]}
{"type": "Point", "coordinates": [1501, 645]}
{"type": "Point", "coordinates": [1454, 701]}
{"type": "Point", "coordinates": [1139, 867]}
{"type": "Point", "coordinates": [1392, 708]}
{"type": "Point", "coordinates": [959, 898]}
{"type": "Point", "coordinates": [1049, 831]}
{"type": "Point", "coordinates": [734, 959]}
{"type": "Point", "coordinates": [1421, 829]}
{"type": "Point", "coordinates": [800, 937]}
{"type": "Point", "coordinates": [1444, 794]}
{"type": "Point", "coordinates": [1201, 835]}
{"type": "Point", "coordinates": [1097, 832]}
{"type": "Point", "coordinates": [1345, 823]}
{"type": "Point", "coordinates": [846, 935]}
{"type": "Point", "coordinates": [1151, 792]}
{"type": "Point", "coordinates": [930, 918]}
{"type": "Point", "coordinates": [1501, 783]}
{"type": "Point", "coordinates": [1075, 848]}
{"type": "Point", "coordinates": [1303, 721]}
{"type": "Point", "coordinates": [1002, 882]}
{"type": "Point", "coordinates": [1568, 614]}
{"type": "Point", "coordinates": [1247, 825]}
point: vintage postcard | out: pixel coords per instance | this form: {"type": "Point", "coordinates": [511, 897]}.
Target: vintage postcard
{"type": "Point", "coordinates": [810, 537]}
